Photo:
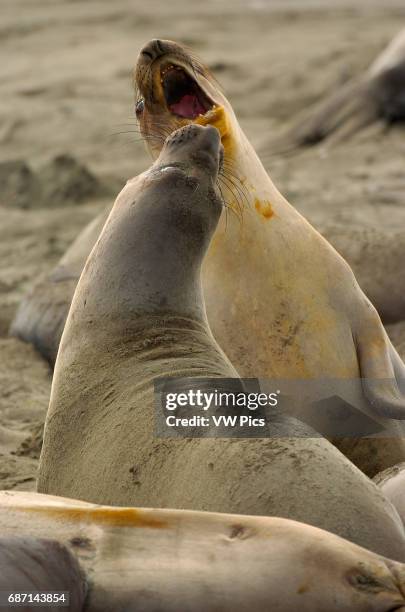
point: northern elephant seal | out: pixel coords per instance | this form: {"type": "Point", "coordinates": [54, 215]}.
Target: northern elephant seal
{"type": "Point", "coordinates": [138, 314]}
{"type": "Point", "coordinates": [289, 305]}
{"type": "Point", "coordinates": [140, 559]}
{"type": "Point", "coordinates": [379, 93]}
{"type": "Point", "coordinates": [376, 95]}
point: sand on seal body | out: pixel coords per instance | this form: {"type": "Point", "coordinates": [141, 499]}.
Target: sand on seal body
{"type": "Point", "coordinates": [289, 305]}
{"type": "Point", "coordinates": [138, 314]}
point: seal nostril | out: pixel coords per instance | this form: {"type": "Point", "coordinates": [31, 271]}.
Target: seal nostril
{"type": "Point", "coordinates": [153, 49]}
{"type": "Point", "coordinates": [159, 46]}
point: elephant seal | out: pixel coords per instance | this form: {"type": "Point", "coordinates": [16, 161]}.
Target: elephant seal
{"type": "Point", "coordinates": [378, 95]}
{"type": "Point", "coordinates": [392, 484]}
{"type": "Point", "coordinates": [140, 559]}
{"type": "Point", "coordinates": [289, 305]}
{"type": "Point", "coordinates": [42, 313]}
{"type": "Point", "coordinates": [377, 259]}
{"type": "Point", "coordinates": [138, 314]}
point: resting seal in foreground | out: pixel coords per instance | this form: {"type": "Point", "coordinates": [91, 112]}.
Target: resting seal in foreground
{"type": "Point", "coordinates": [376, 95]}
{"type": "Point", "coordinates": [141, 559]}
{"type": "Point", "coordinates": [137, 315]}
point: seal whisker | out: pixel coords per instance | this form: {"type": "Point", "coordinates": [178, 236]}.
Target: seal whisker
{"type": "Point", "coordinates": [237, 212]}
{"type": "Point", "coordinates": [232, 185]}
{"type": "Point", "coordinates": [237, 182]}
{"type": "Point", "coordinates": [226, 207]}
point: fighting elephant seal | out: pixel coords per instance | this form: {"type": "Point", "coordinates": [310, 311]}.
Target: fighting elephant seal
{"type": "Point", "coordinates": [376, 95]}
{"type": "Point", "coordinates": [140, 559]}
{"type": "Point", "coordinates": [137, 315]}
{"type": "Point", "coordinates": [380, 93]}
{"type": "Point", "coordinates": [289, 305]}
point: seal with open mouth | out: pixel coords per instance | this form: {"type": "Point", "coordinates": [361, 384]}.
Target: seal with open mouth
{"type": "Point", "coordinates": [280, 300]}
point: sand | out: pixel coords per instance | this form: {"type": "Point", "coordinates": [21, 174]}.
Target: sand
{"type": "Point", "coordinates": [65, 80]}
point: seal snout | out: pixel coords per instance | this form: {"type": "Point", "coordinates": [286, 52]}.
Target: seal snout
{"type": "Point", "coordinates": [153, 49]}
{"type": "Point", "coordinates": [200, 145]}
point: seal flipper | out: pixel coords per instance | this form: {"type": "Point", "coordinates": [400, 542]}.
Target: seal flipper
{"type": "Point", "coordinates": [343, 113]}
{"type": "Point", "coordinates": [381, 369]}
{"type": "Point", "coordinates": [399, 368]}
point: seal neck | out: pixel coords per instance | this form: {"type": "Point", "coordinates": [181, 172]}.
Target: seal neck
{"type": "Point", "coordinates": [144, 262]}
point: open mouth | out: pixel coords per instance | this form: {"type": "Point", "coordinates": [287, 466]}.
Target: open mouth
{"type": "Point", "coordinates": [184, 97]}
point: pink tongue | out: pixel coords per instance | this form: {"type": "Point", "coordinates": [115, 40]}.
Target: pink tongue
{"type": "Point", "coordinates": [189, 106]}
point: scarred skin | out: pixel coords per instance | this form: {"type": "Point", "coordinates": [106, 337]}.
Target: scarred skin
{"type": "Point", "coordinates": [140, 559]}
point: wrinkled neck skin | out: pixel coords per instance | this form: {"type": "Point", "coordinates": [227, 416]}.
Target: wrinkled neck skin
{"type": "Point", "coordinates": [146, 263]}
{"type": "Point", "coordinates": [138, 311]}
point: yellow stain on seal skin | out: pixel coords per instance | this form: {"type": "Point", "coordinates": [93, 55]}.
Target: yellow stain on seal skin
{"type": "Point", "coordinates": [217, 117]}
{"type": "Point", "coordinates": [264, 208]}
{"type": "Point", "coordinates": [101, 515]}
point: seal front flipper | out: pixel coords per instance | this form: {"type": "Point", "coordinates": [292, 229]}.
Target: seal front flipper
{"type": "Point", "coordinates": [381, 369]}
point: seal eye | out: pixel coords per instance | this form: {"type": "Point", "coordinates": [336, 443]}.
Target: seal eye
{"type": "Point", "coordinates": [139, 107]}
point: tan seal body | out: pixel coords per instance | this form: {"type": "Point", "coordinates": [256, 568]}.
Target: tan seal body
{"type": "Point", "coordinates": [288, 306]}
{"type": "Point", "coordinates": [138, 314]}
{"type": "Point", "coordinates": [171, 560]}
{"type": "Point", "coordinates": [392, 484]}
{"type": "Point", "coordinates": [377, 257]}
